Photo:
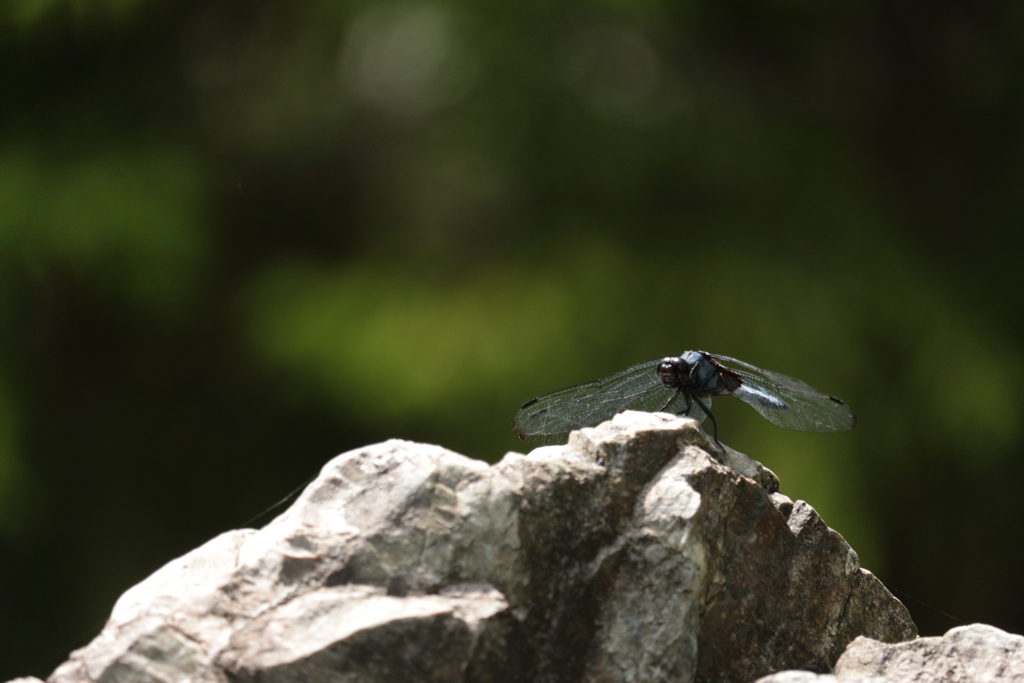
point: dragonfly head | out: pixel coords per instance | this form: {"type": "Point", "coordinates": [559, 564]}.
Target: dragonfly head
{"type": "Point", "coordinates": [674, 372]}
{"type": "Point", "coordinates": [691, 371]}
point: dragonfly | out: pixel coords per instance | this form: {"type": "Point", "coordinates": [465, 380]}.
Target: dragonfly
{"type": "Point", "coordinates": [683, 385]}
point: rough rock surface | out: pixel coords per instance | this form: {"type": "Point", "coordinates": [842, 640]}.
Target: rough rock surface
{"type": "Point", "coordinates": [631, 554]}
{"type": "Point", "coordinates": [967, 654]}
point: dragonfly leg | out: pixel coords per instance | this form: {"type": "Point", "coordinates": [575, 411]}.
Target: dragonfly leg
{"type": "Point", "coordinates": [673, 398]}
{"type": "Point", "coordinates": [713, 422]}
{"type": "Point", "coordinates": [689, 406]}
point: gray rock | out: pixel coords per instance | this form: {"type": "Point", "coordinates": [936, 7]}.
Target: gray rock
{"type": "Point", "coordinates": [967, 654]}
{"type": "Point", "coordinates": [798, 677]}
{"type": "Point", "coordinates": [631, 554]}
{"type": "Point", "coordinates": [811, 677]}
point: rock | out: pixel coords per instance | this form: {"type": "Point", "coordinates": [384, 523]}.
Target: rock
{"type": "Point", "coordinates": [967, 654]}
{"type": "Point", "coordinates": [798, 677]}
{"type": "Point", "coordinates": [360, 630]}
{"type": "Point", "coordinates": [631, 554]}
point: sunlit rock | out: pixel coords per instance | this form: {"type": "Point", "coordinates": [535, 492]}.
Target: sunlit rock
{"type": "Point", "coordinates": [634, 553]}
{"type": "Point", "coordinates": [977, 653]}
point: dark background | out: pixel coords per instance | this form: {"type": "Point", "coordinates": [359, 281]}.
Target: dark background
{"type": "Point", "coordinates": [239, 237]}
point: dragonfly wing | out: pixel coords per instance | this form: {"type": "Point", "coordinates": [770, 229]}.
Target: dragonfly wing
{"type": "Point", "coordinates": [550, 418]}
{"type": "Point", "coordinates": [788, 402]}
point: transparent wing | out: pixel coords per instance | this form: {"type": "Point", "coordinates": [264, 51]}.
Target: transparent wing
{"type": "Point", "coordinates": [550, 418]}
{"type": "Point", "coordinates": [788, 402]}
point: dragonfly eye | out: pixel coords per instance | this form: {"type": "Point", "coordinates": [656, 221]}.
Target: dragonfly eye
{"type": "Point", "coordinates": [673, 372]}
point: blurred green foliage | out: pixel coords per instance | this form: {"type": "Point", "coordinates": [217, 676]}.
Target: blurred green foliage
{"type": "Point", "coordinates": [30, 14]}
{"type": "Point", "coordinates": [129, 219]}
{"type": "Point", "coordinates": [237, 238]}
